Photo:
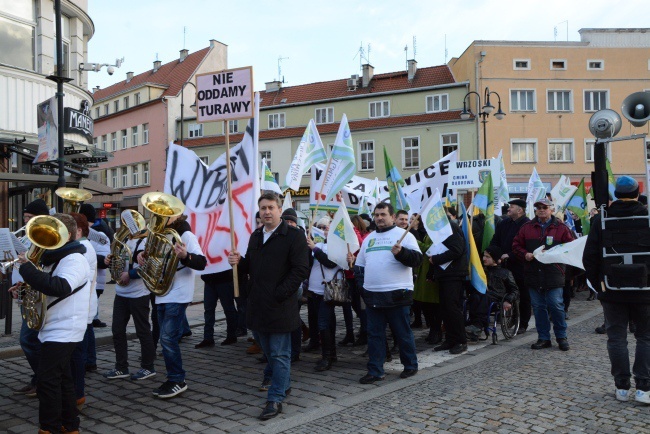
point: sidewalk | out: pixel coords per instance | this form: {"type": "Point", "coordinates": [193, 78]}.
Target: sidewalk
{"type": "Point", "coordinates": [498, 388]}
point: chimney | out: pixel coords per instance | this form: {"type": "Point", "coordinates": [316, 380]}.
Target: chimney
{"type": "Point", "coordinates": [273, 86]}
{"type": "Point", "coordinates": [129, 76]}
{"type": "Point", "coordinates": [213, 43]}
{"type": "Point", "coordinates": [368, 71]}
{"type": "Point", "coordinates": [184, 53]}
{"type": "Point", "coordinates": [95, 89]}
{"type": "Point", "coordinates": [156, 65]}
{"type": "Point", "coordinates": [412, 68]}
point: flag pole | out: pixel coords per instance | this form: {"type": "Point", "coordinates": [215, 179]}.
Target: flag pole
{"type": "Point", "coordinates": [235, 276]}
{"type": "Point", "coordinates": [406, 231]}
{"type": "Point", "coordinates": [319, 193]}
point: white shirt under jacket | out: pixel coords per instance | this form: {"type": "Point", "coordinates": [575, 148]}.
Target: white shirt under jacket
{"type": "Point", "coordinates": [135, 288]}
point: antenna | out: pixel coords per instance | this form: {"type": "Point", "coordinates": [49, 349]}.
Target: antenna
{"type": "Point", "coordinates": [567, 29]}
{"type": "Point", "coordinates": [362, 55]}
{"type": "Point", "coordinates": [368, 55]}
{"type": "Point", "coordinates": [280, 59]}
{"type": "Point", "coordinates": [406, 56]}
{"type": "Point", "coordinates": [156, 56]}
{"type": "Point", "coordinates": [184, 33]}
{"type": "Point", "coordinates": [414, 47]}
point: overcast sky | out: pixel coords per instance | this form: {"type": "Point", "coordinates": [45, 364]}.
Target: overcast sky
{"type": "Point", "coordinates": [320, 41]}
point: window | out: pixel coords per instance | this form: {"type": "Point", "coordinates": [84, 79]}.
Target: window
{"type": "Point", "coordinates": [96, 112]}
{"type": "Point", "coordinates": [134, 136]}
{"type": "Point", "coordinates": [367, 155]}
{"type": "Point", "coordinates": [558, 64]}
{"type": "Point", "coordinates": [116, 105]}
{"type": "Point", "coordinates": [411, 152]}
{"type": "Point", "coordinates": [437, 103]}
{"type": "Point", "coordinates": [104, 138]}
{"type": "Point", "coordinates": [523, 64]}
{"type": "Point", "coordinates": [560, 151]}
{"type": "Point", "coordinates": [194, 130]}
{"type": "Point", "coordinates": [233, 126]}
{"type": "Point", "coordinates": [17, 26]}
{"type": "Point", "coordinates": [448, 143]}
{"type": "Point", "coordinates": [324, 115]}
{"type": "Point", "coordinates": [114, 178]}
{"type": "Point", "coordinates": [106, 109]}
{"type": "Point", "coordinates": [145, 173]}
{"type": "Point", "coordinates": [126, 102]}
{"type": "Point", "coordinates": [125, 176]}
{"type": "Point", "coordinates": [595, 65]}
{"type": "Point", "coordinates": [523, 151]}
{"type": "Point", "coordinates": [125, 139]}
{"type": "Point", "coordinates": [558, 100]}
{"type": "Point", "coordinates": [522, 100]}
{"type": "Point", "coordinates": [589, 151]}
{"type": "Point", "coordinates": [379, 109]}
{"type": "Point", "coordinates": [596, 100]}
{"type": "Point", "coordinates": [205, 160]}
{"type": "Point", "coordinates": [95, 142]}
{"type": "Point", "coordinates": [145, 134]}
{"type": "Point", "coordinates": [114, 142]}
{"type": "Point", "coordinates": [276, 120]}
{"type": "Point", "coordinates": [267, 155]}
{"type": "Point", "coordinates": [135, 175]}
{"type": "Point", "coordinates": [136, 99]}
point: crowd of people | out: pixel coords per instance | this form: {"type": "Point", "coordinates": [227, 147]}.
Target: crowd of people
{"type": "Point", "coordinates": [391, 283]}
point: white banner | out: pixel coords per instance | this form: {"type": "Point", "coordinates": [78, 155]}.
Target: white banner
{"type": "Point", "coordinates": [470, 174]}
{"type": "Point", "coordinates": [567, 253]}
{"type": "Point", "coordinates": [224, 95]}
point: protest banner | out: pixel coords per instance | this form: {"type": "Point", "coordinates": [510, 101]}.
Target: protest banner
{"type": "Point", "coordinates": [225, 95]}
{"type": "Point", "coordinates": [470, 174]}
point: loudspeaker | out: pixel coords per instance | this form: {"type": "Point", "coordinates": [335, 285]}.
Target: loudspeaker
{"type": "Point", "coordinates": [605, 124]}
{"type": "Point", "coordinates": [636, 108]}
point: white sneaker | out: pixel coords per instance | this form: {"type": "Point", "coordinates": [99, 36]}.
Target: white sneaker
{"type": "Point", "coordinates": [622, 394]}
{"type": "Point", "coordinates": [641, 396]}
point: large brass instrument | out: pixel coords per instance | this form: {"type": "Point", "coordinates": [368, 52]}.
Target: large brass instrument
{"type": "Point", "coordinates": [45, 233]}
{"type": "Point", "coordinates": [73, 198]}
{"type": "Point", "coordinates": [132, 226]}
{"type": "Point", "coordinates": [161, 261]}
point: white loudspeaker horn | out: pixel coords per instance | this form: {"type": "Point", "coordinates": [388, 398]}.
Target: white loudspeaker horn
{"type": "Point", "coordinates": [636, 108]}
{"type": "Point", "coordinates": [605, 124]}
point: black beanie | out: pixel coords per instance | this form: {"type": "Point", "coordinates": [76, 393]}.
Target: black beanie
{"type": "Point", "coordinates": [290, 214]}
{"type": "Point", "coordinates": [89, 211]}
{"type": "Point", "coordinates": [495, 252]}
{"type": "Point", "coordinates": [37, 207]}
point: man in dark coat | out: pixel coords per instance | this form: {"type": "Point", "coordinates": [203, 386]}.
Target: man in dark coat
{"type": "Point", "coordinates": [504, 234]}
{"type": "Point", "coordinates": [276, 263]}
{"type": "Point", "coordinates": [623, 306]}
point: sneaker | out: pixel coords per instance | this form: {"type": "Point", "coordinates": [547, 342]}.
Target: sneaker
{"type": "Point", "coordinates": [143, 374]}
{"type": "Point", "coordinates": [473, 330]}
{"type": "Point", "coordinates": [266, 384]}
{"type": "Point", "coordinates": [458, 349]}
{"type": "Point", "coordinates": [641, 396]}
{"type": "Point", "coordinates": [26, 390]}
{"type": "Point", "coordinates": [97, 323]}
{"type": "Point", "coordinates": [115, 373]}
{"type": "Point", "coordinates": [369, 379]}
{"type": "Point", "coordinates": [169, 389]}
{"type": "Point", "coordinates": [622, 394]}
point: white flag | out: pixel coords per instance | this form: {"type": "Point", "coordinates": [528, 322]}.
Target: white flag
{"type": "Point", "coordinates": [435, 219]}
{"type": "Point", "coordinates": [341, 166]}
{"type": "Point", "coordinates": [567, 253]}
{"type": "Point", "coordinates": [310, 151]}
{"type": "Point", "coordinates": [536, 191]}
{"type": "Point", "coordinates": [562, 192]}
{"type": "Point", "coordinates": [503, 195]}
{"type": "Point", "coordinates": [341, 238]}
{"type": "Point", "coordinates": [287, 201]}
{"type": "Point", "coordinates": [267, 179]}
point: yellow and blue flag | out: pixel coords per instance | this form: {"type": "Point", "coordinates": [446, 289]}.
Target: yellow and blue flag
{"type": "Point", "coordinates": [477, 276]}
{"type": "Point", "coordinates": [484, 202]}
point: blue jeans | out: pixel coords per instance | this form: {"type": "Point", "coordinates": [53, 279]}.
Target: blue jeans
{"type": "Point", "coordinates": [399, 321]}
{"type": "Point", "coordinates": [277, 349]}
{"type": "Point", "coordinates": [226, 293]}
{"type": "Point", "coordinates": [170, 318]}
{"type": "Point", "coordinates": [31, 347]}
{"type": "Point", "coordinates": [543, 303]}
{"type": "Point", "coordinates": [617, 318]}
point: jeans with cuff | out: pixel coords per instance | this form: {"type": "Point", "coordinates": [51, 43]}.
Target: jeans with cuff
{"type": "Point", "coordinates": [545, 302]}
{"type": "Point", "coordinates": [277, 349]}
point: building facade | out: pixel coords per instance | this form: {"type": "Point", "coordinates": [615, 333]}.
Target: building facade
{"type": "Point", "coordinates": [549, 91]}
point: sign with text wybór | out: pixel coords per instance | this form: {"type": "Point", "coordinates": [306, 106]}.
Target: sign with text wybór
{"type": "Point", "coordinates": [225, 95]}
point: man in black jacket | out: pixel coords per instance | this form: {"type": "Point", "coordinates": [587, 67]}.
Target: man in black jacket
{"type": "Point", "coordinates": [277, 264]}
{"type": "Point", "coordinates": [621, 306]}
{"type": "Point", "coordinates": [504, 234]}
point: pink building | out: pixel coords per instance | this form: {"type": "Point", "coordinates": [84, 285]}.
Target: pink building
{"type": "Point", "coordinates": [135, 120]}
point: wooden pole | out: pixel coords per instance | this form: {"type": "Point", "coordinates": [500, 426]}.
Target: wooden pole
{"type": "Point", "coordinates": [235, 276]}
{"type": "Point", "coordinates": [407, 231]}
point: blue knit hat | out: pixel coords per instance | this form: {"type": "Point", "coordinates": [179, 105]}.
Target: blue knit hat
{"type": "Point", "coordinates": [626, 188]}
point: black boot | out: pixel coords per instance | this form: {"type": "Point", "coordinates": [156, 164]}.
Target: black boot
{"type": "Point", "coordinates": [325, 362]}
{"type": "Point", "coordinates": [362, 339]}
{"type": "Point", "coordinates": [313, 345]}
{"type": "Point", "coordinates": [348, 339]}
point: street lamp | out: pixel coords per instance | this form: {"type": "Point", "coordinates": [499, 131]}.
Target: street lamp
{"type": "Point", "coordinates": [193, 107]}
{"type": "Point", "coordinates": [484, 113]}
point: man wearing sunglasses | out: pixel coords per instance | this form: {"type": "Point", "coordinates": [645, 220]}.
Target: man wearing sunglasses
{"type": "Point", "coordinates": [544, 282]}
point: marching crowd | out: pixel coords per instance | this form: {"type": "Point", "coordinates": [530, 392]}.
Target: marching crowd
{"type": "Point", "coordinates": [389, 280]}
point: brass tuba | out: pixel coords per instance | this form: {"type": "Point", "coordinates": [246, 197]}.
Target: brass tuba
{"type": "Point", "coordinates": [73, 198]}
{"type": "Point", "coordinates": [132, 226]}
{"type": "Point", "coordinates": [160, 259]}
{"type": "Point", "coordinates": [45, 233]}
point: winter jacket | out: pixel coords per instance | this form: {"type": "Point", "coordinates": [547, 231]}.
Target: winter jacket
{"type": "Point", "coordinates": [456, 253]}
{"type": "Point", "coordinates": [592, 257]}
{"type": "Point", "coordinates": [504, 235]}
{"type": "Point", "coordinates": [276, 269]}
{"type": "Point", "coordinates": [531, 236]}
{"type": "Point", "coordinates": [501, 284]}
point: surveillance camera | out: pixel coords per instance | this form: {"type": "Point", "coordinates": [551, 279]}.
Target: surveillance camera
{"type": "Point", "coordinates": [110, 70]}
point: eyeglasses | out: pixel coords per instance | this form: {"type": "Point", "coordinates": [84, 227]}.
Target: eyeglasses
{"type": "Point", "coordinates": [541, 207]}
{"type": "Point", "coordinates": [321, 227]}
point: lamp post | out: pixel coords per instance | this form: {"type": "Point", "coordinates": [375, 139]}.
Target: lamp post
{"type": "Point", "coordinates": [484, 113]}
{"type": "Point", "coordinates": [193, 107]}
